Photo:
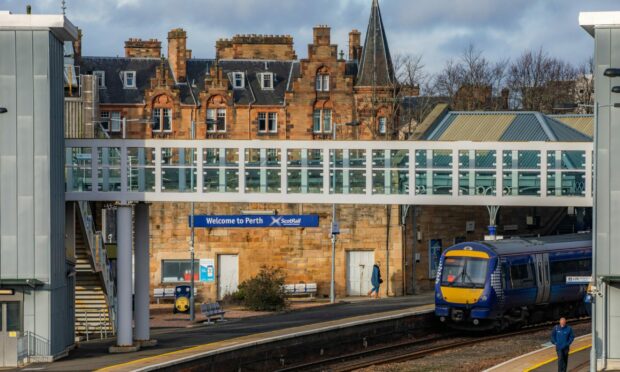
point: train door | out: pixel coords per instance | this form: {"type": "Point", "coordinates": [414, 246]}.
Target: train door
{"type": "Point", "coordinates": [541, 263]}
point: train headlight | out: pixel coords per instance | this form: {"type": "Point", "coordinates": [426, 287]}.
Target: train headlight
{"type": "Point", "coordinates": [438, 295]}
{"type": "Point", "coordinates": [483, 298]}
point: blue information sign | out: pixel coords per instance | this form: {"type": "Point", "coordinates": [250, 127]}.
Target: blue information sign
{"type": "Point", "coordinates": [248, 221]}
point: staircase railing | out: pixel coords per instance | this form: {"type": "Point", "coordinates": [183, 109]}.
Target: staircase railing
{"type": "Point", "coordinates": [99, 256]}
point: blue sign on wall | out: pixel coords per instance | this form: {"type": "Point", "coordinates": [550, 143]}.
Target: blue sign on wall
{"type": "Point", "coordinates": [248, 221]}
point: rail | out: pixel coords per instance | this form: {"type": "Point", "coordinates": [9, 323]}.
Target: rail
{"type": "Point", "coordinates": [31, 345]}
{"type": "Point", "coordinates": [99, 256]}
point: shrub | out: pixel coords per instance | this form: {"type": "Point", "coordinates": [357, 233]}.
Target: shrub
{"type": "Point", "coordinates": [264, 292]}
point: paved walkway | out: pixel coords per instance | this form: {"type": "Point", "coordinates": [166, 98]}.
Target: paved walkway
{"type": "Point", "coordinates": [93, 355]}
{"type": "Point", "coordinates": [545, 360]}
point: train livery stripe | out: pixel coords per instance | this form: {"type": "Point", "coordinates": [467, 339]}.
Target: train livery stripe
{"type": "Point", "coordinates": [461, 295]}
{"type": "Point", "coordinates": [476, 254]}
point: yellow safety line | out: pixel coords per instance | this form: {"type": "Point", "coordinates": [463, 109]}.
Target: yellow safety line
{"type": "Point", "coordinates": [555, 358]}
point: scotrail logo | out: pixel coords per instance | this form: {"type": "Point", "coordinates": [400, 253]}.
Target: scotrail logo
{"type": "Point", "coordinates": [276, 221]}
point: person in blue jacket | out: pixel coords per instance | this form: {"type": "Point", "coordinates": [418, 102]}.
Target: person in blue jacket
{"type": "Point", "coordinates": [562, 337]}
{"type": "Point", "coordinates": [375, 280]}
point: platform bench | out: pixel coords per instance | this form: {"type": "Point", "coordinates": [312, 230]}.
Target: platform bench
{"type": "Point", "coordinates": [212, 310]}
{"type": "Point", "coordinates": [302, 289]}
{"type": "Point", "coordinates": [167, 293]}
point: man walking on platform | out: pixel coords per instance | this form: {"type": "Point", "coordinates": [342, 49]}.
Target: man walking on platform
{"type": "Point", "coordinates": [562, 337]}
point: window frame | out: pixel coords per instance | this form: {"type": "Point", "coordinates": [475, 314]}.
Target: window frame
{"type": "Point", "coordinates": [178, 261]}
{"type": "Point", "coordinates": [262, 76]}
{"type": "Point", "coordinates": [322, 115]}
{"type": "Point", "coordinates": [268, 118]}
{"type": "Point", "coordinates": [133, 77]}
{"type": "Point", "coordinates": [241, 76]}
{"type": "Point", "coordinates": [215, 115]}
{"type": "Point", "coordinates": [104, 119]}
{"type": "Point", "coordinates": [116, 125]}
{"type": "Point", "coordinates": [100, 78]}
{"type": "Point", "coordinates": [322, 83]}
{"type": "Point", "coordinates": [161, 114]}
{"type": "Point", "coordinates": [382, 128]}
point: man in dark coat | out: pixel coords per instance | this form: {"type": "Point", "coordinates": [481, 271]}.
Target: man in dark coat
{"type": "Point", "coordinates": [562, 337]}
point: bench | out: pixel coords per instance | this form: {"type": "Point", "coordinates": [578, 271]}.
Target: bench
{"type": "Point", "coordinates": [212, 310]}
{"type": "Point", "coordinates": [167, 293]}
{"type": "Point", "coordinates": [301, 289]}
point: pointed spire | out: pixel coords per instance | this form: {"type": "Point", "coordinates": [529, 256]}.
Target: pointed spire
{"type": "Point", "coordinates": [375, 67]}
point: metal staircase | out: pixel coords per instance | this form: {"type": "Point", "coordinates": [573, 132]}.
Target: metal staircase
{"type": "Point", "coordinates": [94, 287]}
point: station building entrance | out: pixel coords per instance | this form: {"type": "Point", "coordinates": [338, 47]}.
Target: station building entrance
{"type": "Point", "coordinates": [11, 329]}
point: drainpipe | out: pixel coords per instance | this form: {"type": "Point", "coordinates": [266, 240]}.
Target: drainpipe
{"type": "Point", "coordinates": [250, 106]}
{"type": "Point", "coordinates": [414, 229]}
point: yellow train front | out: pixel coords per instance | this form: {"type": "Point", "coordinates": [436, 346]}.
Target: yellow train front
{"type": "Point", "coordinates": [494, 285]}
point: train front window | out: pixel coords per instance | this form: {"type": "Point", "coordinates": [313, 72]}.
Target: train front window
{"type": "Point", "coordinates": [468, 272]}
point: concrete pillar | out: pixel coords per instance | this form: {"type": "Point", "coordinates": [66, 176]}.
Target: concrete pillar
{"type": "Point", "coordinates": [124, 336]}
{"type": "Point", "coordinates": [142, 285]}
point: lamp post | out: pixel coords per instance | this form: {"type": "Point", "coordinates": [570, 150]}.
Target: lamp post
{"type": "Point", "coordinates": [335, 228]}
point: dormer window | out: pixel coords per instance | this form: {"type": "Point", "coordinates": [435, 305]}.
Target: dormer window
{"type": "Point", "coordinates": [100, 77]}
{"type": "Point", "coordinates": [266, 80]}
{"type": "Point", "coordinates": [238, 80]}
{"type": "Point", "coordinates": [129, 79]}
{"type": "Point", "coordinates": [322, 83]}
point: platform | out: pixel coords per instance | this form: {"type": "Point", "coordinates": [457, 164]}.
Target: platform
{"type": "Point", "coordinates": [179, 344]}
{"type": "Point", "coordinates": [545, 359]}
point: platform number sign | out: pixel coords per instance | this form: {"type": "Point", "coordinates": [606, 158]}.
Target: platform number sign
{"type": "Point", "coordinates": [434, 255]}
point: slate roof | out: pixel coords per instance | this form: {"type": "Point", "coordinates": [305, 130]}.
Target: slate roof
{"type": "Point", "coordinates": [376, 62]}
{"type": "Point", "coordinates": [501, 126]}
{"type": "Point", "coordinates": [114, 92]}
{"type": "Point", "coordinates": [253, 93]}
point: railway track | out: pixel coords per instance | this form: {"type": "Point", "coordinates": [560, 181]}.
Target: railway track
{"type": "Point", "coordinates": [408, 350]}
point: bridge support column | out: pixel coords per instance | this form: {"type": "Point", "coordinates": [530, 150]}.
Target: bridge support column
{"type": "Point", "coordinates": [142, 276]}
{"type": "Point", "coordinates": [124, 334]}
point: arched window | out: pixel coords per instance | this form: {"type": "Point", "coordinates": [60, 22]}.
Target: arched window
{"type": "Point", "coordinates": [216, 114]}
{"type": "Point", "coordinates": [322, 80]}
{"type": "Point", "coordinates": [162, 114]}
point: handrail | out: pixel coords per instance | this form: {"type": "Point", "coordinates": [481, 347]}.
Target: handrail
{"type": "Point", "coordinates": [99, 256]}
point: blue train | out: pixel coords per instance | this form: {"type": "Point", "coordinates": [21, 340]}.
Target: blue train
{"type": "Point", "coordinates": [500, 284]}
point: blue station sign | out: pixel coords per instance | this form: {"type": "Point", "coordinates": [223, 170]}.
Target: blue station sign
{"type": "Point", "coordinates": [252, 221]}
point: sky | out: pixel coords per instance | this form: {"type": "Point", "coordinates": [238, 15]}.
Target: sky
{"type": "Point", "coordinates": [437, 30]}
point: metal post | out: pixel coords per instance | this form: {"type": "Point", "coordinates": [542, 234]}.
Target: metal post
{"type": "Point", "coordinates": [123, 263]}
{"type": "Point", "coordinates": [192, 316]}
{"type": "Point", "coordinates": [593, 355]}
{"type": "Point", "coordinates": [332, 289]}
{"type": "Point", "coordinates": [142, 298]}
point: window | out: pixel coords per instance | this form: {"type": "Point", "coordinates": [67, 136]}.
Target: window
{"type": "Point", "coordinates": [175, 271]}
{"type": "Point", "coordinates": [238, 80]}
{"type": "Point", "coordinates": [115, 121]}
{"type": "Point", "coordinates": [267, 122]}
{"type": "Point", "coordinates": [129, 79]}
{"type": "Point", "coordinates": [162, 120]}
{"type": "Point", "coordinates": [100, 76]}
{"type": "Point", "coordinates": [522, 276]}
{"type": "Point", "coordinates": [322, 83]}
{"type": "Point", "coordinates": [382, 125]}
{"type": "Point", "coordinates": [216, 120]}
{"type": "Point", "coordinates": [465, 272]}
{"type": "Point", "coordinates": [105, 120]}
{"type": "Point", "coordinates": [266, 80]}
{"type": "Point", "coordinates": [561, 269]}
{"type": "Point", "coordinates": [322, 121]}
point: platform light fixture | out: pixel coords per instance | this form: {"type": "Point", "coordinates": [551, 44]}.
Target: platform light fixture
{"type": "Point", "coordinates": [258, 213]}
{"type": "Point", "coordinates": [7, 291]}
{"type": "Point", "coordinates": [3, 110]}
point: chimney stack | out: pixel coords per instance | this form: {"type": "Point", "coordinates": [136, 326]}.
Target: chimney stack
{"type": "Point", "coordinates": [138, 48]}
{"type": "Point", "coordinates": [322, 35]}
{"type": "Point", "coordinates": [355, 45]}
{"type": "Point", "coordinates": [178, 53]}
{"type": "Point", "coordinates": [77, 47]}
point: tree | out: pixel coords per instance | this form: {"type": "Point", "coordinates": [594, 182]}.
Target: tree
{"type": "Point", "coordinates": [472, 82]}
{"type": "Point", "coordinates": [542, 83]}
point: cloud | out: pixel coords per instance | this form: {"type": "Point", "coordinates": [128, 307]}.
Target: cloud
{"type": "Point", "coordinates": [438, 30]}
